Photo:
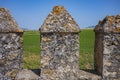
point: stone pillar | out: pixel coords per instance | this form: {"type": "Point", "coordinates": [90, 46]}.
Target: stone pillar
{"type": "Point", "coordinates": [59, 46]}
{"type": "Point", "coordinates": [107, 48]}
{"type": "Point", "coordinates": [11, 51]}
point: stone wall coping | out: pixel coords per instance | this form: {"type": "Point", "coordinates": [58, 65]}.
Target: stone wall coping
{"type": "Point", "coordinates": [110, 24]}
{"type": "Point", "coordinates": [7, 22]}
{"type": "Point", "coordinates": [59, 20]}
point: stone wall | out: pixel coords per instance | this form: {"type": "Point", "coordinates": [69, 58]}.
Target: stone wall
{"type": "Point", "coordinates": [107, 48]}
{"type": "Point", "coordinates": [10, 54]}
{"type": "Point", "coordinates": [59, 46]}
{"type": "Point", "coordinates": [111, 56]}
{"type": "Point", "coordinates": [60, 56]}
{"type": "Point", "coordinates": [11, 51]}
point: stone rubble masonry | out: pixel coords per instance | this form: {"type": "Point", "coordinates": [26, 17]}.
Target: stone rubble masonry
{"type": "Point", "coordinates": [11, 51]}
{"type": "Point", "coordinates": [7, 22]}
{"type": "Point", "coordinates": [107, 48]}
{"type": "Point", "coordinates": [59, 20]}
{"type": "Point", "coordinates": [59, 46]}
{"type": "Point", "coordinates": [59, 36]}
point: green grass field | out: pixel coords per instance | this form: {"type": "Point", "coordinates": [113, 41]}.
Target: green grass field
{"type": "Point", "coordinates": [87, 49]}
{"type": "Point", "coordinates": [31, 45]}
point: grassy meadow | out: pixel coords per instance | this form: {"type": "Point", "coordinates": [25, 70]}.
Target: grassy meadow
{"type": "Point", "coordinates": [31, 46]}
{"type": "Point", "coordinates": [87, 49]}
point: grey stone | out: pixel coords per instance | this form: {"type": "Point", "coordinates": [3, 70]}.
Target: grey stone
{"type": "Point", "coordinates": [107, 48]}
{"type": "Point", "coordinates": [59, 46]}
{"type": "Point", "coordinates": [59, 20]}
{"type": "Point", "coordinates": [26, 75]}
{"type": "Point", "coordinates": [7, 22]}
{"type": "Point", "coordinates": [10, 46]}
{"type": "Point", "coordinates": [0, 56]}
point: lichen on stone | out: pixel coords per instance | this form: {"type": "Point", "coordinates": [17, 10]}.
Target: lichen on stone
{"type": "Point", "coordinates": [7, 22]}
{"type": "Point", "coordinates": [59, 20]}
{"type": "Point", "coordinates": [109, 24]}
{"type": "Point", "coordinates": [57, 10]}
{"type": "Point", "coordinates": [107, 48]}
{"type": "Point", "coordinates": [61, 58]}
{"type": "Point", "coordinates": [10, 46]}
{"type": "Point", "coordinates": [59, 46]}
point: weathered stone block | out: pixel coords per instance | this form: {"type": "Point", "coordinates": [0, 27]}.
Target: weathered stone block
{"type": "Point", "coordinates": [60, 46]}
{"type": "Point", "coordinates": [11, 51]}
{"type": "Point", "coordinates": [107, 56]}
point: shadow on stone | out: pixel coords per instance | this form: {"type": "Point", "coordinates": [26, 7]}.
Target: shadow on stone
{"type": "Point", "coordinates": [90, 71]}
{"type": "Point", "coordinates": [26, 74]}
{"type": "Point", "coordinates": [87, 74]}
{"type": "Point", "coordinates": [36, 71]}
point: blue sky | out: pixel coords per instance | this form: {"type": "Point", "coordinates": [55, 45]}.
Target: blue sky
{"type": "Point", "coordinates": [30, 14]}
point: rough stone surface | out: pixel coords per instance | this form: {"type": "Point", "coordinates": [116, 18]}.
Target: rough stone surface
{"type": "Point", "coordinates": [10, 46]}
{"type": "Point", "coordinates": [33, 75]}
{"type": "Point", "coordinates": [11, 54]}
{"type": "Point", "coordinates": [60, 56]}
{"type": "Point", "coordinates": [7, 22]}
{"type": "Point", "coordinates": [111, 56]}
{"type": "Point", "coordinates": [89, 75]}
{"type": "Point", "coordinates": [108, 46]}
{"type": "Point", "coordinates": [59, 20]}
{"type": "Point", "coordinates": [60, 49]}
{"type": "Point", "coordinates": [110, 24]}
{"type": "Point", "coordinates": [59, 46]}
{"type": "Point", "coordinates": [26, 75]}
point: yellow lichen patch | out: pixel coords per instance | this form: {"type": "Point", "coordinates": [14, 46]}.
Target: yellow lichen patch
{"type": "Point", "coordinates": [47, 58]}
{"type": "Point", "coordinates": [110, 20]}
{"type": "Point", "coordinates": [66, 26]}
{"type": "Point", "coordinates": [70, 27]}
{"type": "Point", "coordinates": [109, 29]}
{"type": "Point", "coordinates": [48, 71]}
{"type": "Point", "coordinates": [74, 30]}
{"type": "Point", "coordinates": [12, 74]}
{"type": "Point", "coordinates": [117, 29]}
{"type": "Point", "coordinates": [44, 63]}
{"type": "Point", "coordinates": [57, 10]}
{"type": "Point", "coordinates": [18, 30]}
{"type": "Point", "coordinates": [46, 39]}
{"type": "Point", "coordinates": [1, 9]}
{"type": "Point", "coordinates": [117, 20]}
{"type": "Point", "coordinates": [46, 27]}
{"type": "Point", "coordinates": [43, 49]}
